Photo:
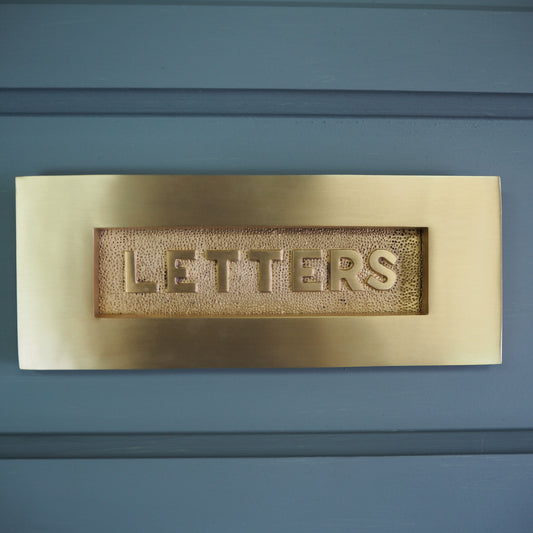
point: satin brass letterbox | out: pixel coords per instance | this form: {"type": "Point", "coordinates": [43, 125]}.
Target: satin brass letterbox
{"type": "Point", "coordinates": [130, 271]}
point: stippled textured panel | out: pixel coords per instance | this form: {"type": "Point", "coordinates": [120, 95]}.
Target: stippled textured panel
{"type": "Point", "coordinates": [244, 297]}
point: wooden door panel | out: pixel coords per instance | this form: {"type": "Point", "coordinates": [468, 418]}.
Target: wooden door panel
{"type": "Point", "coordinates": [277, 400]}
{"type": "Point", "coordinates": [270, 87]}
{"type": "Point", "coordinates": [487, 494]}
{"type": "Point", "coordinates": [266, 47]}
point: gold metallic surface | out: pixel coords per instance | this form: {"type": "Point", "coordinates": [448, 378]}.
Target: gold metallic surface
{"type": "Point", "coordinates": [131, 284]}
{"type": "Point", "coordinates": [265, 258]}
{"type": "Point", "coordinates": [304, 277]}
{"type": "Point", "coordinates": [56, 221]}
{"type": "Point", "coordinates": [218, 263]}
{"type": "Point", "coordinates": [349, 273]}
{"type": "Point", "coordinates": [176, 275]}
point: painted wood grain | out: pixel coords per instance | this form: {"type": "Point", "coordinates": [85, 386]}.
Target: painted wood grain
{"type": "Point", "coordinates": [265, 47]}
{"type": "Point", "coordinates": [484, 494]}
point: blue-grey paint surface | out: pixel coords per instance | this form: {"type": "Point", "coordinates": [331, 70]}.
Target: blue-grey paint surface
{"type": "Point", "coordinates": [265, 47]}
{"type": "Point", "coordinates": [264, 103]}
{"type": "Point", "coordinates": [471, 5]}
{"type": "Point", "coordinates": [390, 495]}
{"type": "Point", "coordinates": [424, 87]}
{"type": "Point", "coordinates": [209, 445]}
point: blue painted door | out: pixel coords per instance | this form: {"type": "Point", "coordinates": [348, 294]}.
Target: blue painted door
{"type": "Point", "coordinates": [271, 87]}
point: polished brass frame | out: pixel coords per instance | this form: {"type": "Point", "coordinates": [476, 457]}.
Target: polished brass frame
{"type": "Point", "coordinates": [57, 215]}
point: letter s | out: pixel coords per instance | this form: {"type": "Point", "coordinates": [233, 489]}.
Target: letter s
{"type": "Point", "coordinates": [379, 268]}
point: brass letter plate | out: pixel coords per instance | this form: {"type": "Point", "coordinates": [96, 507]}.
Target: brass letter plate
{"type": "Point", "coordinates": [118, 272]}
{"type": "Point", "coordinates": [261, 272]}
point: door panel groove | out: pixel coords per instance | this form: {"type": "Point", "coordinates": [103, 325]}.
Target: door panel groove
{"type": "Point", "coordinates": [267, 444]}
{"type": "Point", "coordinates": [259, 102]}
{"type": "Point", "coordinates": [473, 5]}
